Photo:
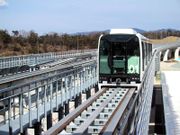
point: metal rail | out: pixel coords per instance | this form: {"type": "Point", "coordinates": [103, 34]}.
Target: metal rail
{"type": "Point", "coordinates": [93, 116]}
{"type": "Point", "coordinates": [45, 71]}
{"type": "Point", "coordinates": [70, 117]}
{"type": "Point", "coordinates": [35, 59]}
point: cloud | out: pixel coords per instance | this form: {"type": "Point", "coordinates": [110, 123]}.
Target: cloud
{"type": "Point", "coordinates": [3, 3]}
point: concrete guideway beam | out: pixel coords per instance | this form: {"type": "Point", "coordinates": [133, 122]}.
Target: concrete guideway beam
{"type": "Point", "coordinates": [177, 53]}
{"type": "Point", "coordinates": [166, 55]}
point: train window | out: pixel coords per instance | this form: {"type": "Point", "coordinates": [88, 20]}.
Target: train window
{"type": "Point", "coordinates": [133, 56]}
{"type": "Point", "coordinates": [103, 57]}
{"type": "Point", "coordinates": [143, 56]}
{"type": "Point", "coordinates": [118, 57]}
{"type": "Point", "coordinates": [145, 50]}
{"type": "Point", "coordinates": [150, 49]}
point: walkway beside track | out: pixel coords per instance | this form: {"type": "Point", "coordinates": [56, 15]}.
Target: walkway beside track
{"type": "Point", "coordinates": [171, 93]}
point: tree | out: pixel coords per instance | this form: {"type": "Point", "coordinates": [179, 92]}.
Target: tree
{"type": "Point", "coordinates": [15, 32]}
{"type": "Point", "coordinates": [5, 38]}
{"type": "Point", "coordinates": [33, 38]}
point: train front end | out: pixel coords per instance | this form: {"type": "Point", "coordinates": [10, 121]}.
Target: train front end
{"type": "Point", "coordinates": [118, 59]}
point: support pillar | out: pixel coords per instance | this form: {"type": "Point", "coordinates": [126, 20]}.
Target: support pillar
{"type": "Point", "coordinates": [37, 128]}
{"type": "Point", "coordinates": [166, 55]}
{"type": "Point", "coordinates": [177, 53]}
{"type": "Point", "coordinates": [29, 131]}
{"type": "Point", "coordinates": [60, 112]}
{"type": "Point", "coordinates": [83, 97]}
{"type": "Point", "coordinates": [49, 121]}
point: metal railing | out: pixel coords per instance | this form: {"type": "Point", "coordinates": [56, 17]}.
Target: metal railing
{"type": "Point", "coordinates": [25, 104]}
{"type": "Point", "coordinates": [35, 59]}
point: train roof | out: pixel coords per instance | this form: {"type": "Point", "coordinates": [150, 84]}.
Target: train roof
{"type": "Point", "coordinates": [127, 31]}
{"type": "Point", "coordinates": [122, 31]}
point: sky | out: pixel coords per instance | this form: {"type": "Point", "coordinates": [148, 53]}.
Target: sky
{"type": "Point", "coordinates": [71, 16]}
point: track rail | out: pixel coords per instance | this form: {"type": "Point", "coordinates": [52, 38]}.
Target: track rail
{"type": "Point", "coordinates": [45, 71]}
{"type": "Point", "coordinates": [95, 114]}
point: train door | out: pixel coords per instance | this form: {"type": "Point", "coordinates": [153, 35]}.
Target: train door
{"type": "Point", "coordinates": [119, 58]}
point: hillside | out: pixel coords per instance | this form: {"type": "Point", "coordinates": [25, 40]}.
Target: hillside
{"type": "Point", "coordinates": [22, 42]}
{"type": "Point", "coordinates": [169, 39]}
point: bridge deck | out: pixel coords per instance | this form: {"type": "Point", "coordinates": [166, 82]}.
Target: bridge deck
{"type": "Point", "coordinates": [170, 81]}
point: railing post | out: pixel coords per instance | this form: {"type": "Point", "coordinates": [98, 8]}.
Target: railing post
{"type": "Point", "coordinates": [9, 117]}
{"type": "Point", "coordinates": [21, 112]}
{"type": "Point", "coordinates": [37, 103]}
{"type": "Point", "coordinates": [57, 95]}
{"type": "Point", "coordinates": [29, 104]}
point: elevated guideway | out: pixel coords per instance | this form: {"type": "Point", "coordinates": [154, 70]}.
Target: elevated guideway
{"type": "Point", "coordinates": [96, 114]}
{"type": "Point", "coordinates": [37, 59]}
{"type": "Point", "coordinates": [170, 71]}
{"type": "Point", "coordinates": [171, 94]}
{"type": "Point", "coordinates": [121, 110]}
{"type": "Point", "coordinates": [50, 69]}
{"type": "Point", "coordinates": [167, 51]}
{"type": "Point", "coordinates": [124, 109]}
{"type": "Point", "coordinates": [18, 64]}
{"type": "Point", "coordinates": [26, 104]}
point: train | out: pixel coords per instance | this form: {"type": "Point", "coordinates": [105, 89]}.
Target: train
{"type": "Point", "coordinates": [123, 56]}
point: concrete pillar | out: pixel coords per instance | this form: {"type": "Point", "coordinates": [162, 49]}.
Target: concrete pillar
{"type": "Point", "coordinates": [166, 55]}
{"type": "Point", "coordinates": [30, 69]}
{"type": "Point", "coordinates": [66, 106]}
{"type": "Point", "coordinates": [44, 124]}
{"type": "Point", "coordinates": [92, 91]}
{"type": "Point", "coordinates": [60, 112]}
{"type": "Point", "coordinates": [54, 118]}
{"type": "Point", "coordinates": [30, 131]}
{"type": "Point", "coordinates": [49, 120]}
{"type": "Point", "coordinates": [37, 128]}
{"type": "Point", "coordinates": [177, 53]}
{"type": "Point", "coordinates": [83, 97]}
{"type": "Point", "coordinates": [71, 105]}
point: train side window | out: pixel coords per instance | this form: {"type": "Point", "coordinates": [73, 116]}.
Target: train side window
{"type": "Point", "coordinates": [143, 56]}
{"type": "Point", "coordinates": [146, 53]}
{"type": "Point", "coordinates": [151, 49]}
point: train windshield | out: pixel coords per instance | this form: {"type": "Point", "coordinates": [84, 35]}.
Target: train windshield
{"type": "Point", "coordinates": [119, 54]}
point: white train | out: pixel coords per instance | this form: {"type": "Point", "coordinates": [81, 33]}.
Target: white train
{"type": "Point", "coordinates": [123, 55]}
